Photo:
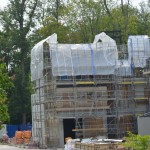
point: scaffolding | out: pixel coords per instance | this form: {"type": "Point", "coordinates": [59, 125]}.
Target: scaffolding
{"type": "Point", "coordinates": [89, 84]}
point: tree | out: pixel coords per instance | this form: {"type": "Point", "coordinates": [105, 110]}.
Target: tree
{"type": "Point", "coordinates": [17, 19]}
{"type": "Point", "coordinates": [127, 24]}
{"type": "Point", "coordinates": [5, 86]}
{"type": "Point", "coordinates": [53, 20]}
{"type": "Point", "coordinates": [85, 19]}
{"type": "Point", "coordinates": [52, 26]}
{"type": "Point", "coordinates": [122, 16]}
{"type": "Point", "coordinates": [82, 20]}
{"type": "Point", "coordinates": [51, 8]}
{"type": "Point", "coordinates": [144, 18]}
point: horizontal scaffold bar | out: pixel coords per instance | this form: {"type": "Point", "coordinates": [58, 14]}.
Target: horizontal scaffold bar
{"type": "Point", "coordinates": [135, 82]}
{"type": "Point", "coordinates": [89, 82]}
{"type": "Point", "coordinates": [90, 129]}
{"type": "Point", "coordinates": [141, 98]}
{"type": "Point", "coordinates": [146, 72]}
{"type": "Point", "coordinates": [82, 108]}
{"type": "Point", "coordinates": [139, 114]}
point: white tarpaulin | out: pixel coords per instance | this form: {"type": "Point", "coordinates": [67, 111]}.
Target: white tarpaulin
{"type": "Point", "coordinates": [37, 57]}
{"type": "Point", "coordinates": [123, 68]}
{"type": "Point", "coordinates": [98, 58]}
{"type": "Point", "coordinates": [138, 50]}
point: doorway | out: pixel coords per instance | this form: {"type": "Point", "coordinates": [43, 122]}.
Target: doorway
{"type": "Point", "coordinates": [69, 125]}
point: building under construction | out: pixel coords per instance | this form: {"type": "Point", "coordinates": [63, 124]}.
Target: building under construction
{"type": "Point", "coordinates": [88, 90]}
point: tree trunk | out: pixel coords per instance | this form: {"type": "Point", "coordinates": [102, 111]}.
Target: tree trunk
{"type": "Point", "coordinates": [23, 89]}
{"type": "Point", "coordinates": [24, 118]}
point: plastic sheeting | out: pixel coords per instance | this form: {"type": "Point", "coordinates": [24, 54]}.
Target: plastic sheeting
{"type": "Point", "coordinates": [98, 58]}
{"type": "Point", "coordinates": [37, 57]}
{"type": "Point", "coordinates": [138, 50]}
{"type": "Point", "coordinates": [83, 59]}
{"type": "Point", "coordinates": [123, 68]}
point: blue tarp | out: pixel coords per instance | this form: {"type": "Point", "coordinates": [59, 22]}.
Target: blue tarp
{"type": "Point", "coordinates": [11, 129]}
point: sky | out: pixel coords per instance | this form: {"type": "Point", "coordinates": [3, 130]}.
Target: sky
{"type": "Point", "coordinates": [4, 2]}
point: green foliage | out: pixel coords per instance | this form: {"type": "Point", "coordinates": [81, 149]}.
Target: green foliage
{"type": "Point", "coordinates": [52, 26]}
{"type": "Point", "coordinates": [80, 21]}
{"type": "Point", "coordinates": [5, 86]}
{"type": "Point", "coordinates": [128, 24]}
{"type": "Point", "coordinates": [137, 142]}
{"type": "Point", "coordinates": [53, 20]}
{"type": "Point", "coordinates": [86, 19]}
{"type": "Point", "coordinates": [144, 18]}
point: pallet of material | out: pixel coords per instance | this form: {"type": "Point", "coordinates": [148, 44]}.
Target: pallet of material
{"type": "Point", "coordinates": [87, 146]}
{"type": "Point", "coordinates": [78, 145]}
{"type": "Point", "coordinates": [94, 146]}
{"type": "Point", "coordinates": [105, 147]}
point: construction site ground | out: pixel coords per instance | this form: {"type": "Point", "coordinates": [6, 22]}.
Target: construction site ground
{"type": "Point", "coordinates": [17, 147]}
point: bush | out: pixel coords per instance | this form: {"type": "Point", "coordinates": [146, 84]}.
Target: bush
{"type": "Point", "coordinates": [137, 142]}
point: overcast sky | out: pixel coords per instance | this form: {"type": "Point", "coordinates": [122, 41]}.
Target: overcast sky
{"type": "Point", "coordinates": [4, 2]}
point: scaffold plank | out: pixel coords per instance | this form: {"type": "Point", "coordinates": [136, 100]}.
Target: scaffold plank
{"type": "Point", "coordinates": [141, 98]}
{"type": "Point", "coordinates": [89, 129]}
{"type": "Point", "coordinates": [146, 72]}
{"type": "Point", "coordinates": [136, 82]}
{"type": "Point", "coordinates": [81, 108]}
{"type": "Point", "coordinates": [85, 83]}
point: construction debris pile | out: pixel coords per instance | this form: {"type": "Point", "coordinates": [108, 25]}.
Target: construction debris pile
{"type": "Point", "coordinates": [93, 144]}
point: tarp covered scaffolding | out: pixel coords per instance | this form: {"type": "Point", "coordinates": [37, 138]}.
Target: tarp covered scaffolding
{"type": "Point", "coordinates": [87, 83]}
{"type": "Point", "coordinates": [97, 58]}
{"type": "Point", "coordinates": [85, 59]}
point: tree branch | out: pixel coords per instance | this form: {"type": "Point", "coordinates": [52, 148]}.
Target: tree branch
{"type": "Point", "coordinates": [107, 9]}
{"type": "Point", "coordinates": [31, 14]}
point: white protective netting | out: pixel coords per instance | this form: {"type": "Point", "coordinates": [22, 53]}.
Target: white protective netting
{"type": "Point", "coordinates": [138, 50]}
{"type": "Point", "coordinates": [97, 58]}
{"type": "Point", "coordinates": [123, 68]}
{"type": "Point", "coordinates": [37, 62]}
